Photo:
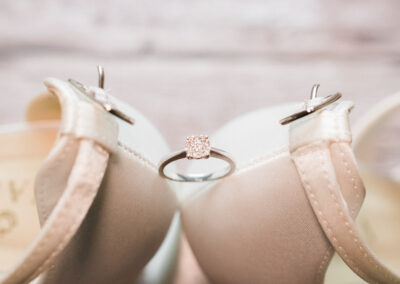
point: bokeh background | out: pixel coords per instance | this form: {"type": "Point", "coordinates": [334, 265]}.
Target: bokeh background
{"type": "Point", "coordinates": [190, 66]}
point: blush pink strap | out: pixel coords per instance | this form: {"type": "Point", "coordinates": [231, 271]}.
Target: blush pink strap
{"type": "Point", "coordinates": [318, 176]}
{"type": "Point", "coordinates": [67, 215]}
{"type": "Point", "coordinates": [316, 170]}
{"type": "Point", "coordinates": [96, 133]}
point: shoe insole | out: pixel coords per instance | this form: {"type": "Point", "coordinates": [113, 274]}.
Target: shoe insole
{"type": "Point", "coordinates": [21, 154]}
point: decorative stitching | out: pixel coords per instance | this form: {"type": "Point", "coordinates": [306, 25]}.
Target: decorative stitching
{"type": "Point", "coordinates": [325, 175]}
{"type": "Point", "coordinates": [253, 163]}
{"type": "Point", "coordinates": [307, 150]}
{"type": "Point", "coordinates": [356, 238]}
{"type": "Point", "coordinates": [346, 223]}
{"type": "Point", "coordinates": [315, 202]}
{"type": "Point", "coordinates": [138, 156]}
{"type": "Point", "coordinates": [342, 214]}
{"type": "Point", "coordinates": [340, 209]}
{"type": "Point", "coordinates": [349, 172]}
{"type": "Point", "coordinates": [323, 264]}
{"type": "Point", "coordinates": [262, 159]}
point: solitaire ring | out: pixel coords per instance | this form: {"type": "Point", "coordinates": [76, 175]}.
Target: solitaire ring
{"type": "Point", "coordinates": [197, 147]}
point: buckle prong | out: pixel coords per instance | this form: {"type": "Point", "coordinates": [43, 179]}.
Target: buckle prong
{"type": "Point", "coordinates": [102, 99]}
{"type": "Point", "coordinates": [100, 71]}
{"type": "Point", "coordinates": [314, 91]}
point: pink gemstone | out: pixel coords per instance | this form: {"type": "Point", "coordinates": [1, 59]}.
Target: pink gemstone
{"type": "Point", "coordinates": [197, 147]}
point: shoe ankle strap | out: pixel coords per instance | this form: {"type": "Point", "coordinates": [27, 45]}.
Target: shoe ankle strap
{"type": "Point", "coordinates": [95, 133]}
{"type": "Point", "coordinates": [314, 163]}
{"type": "Point", "coordinates": [67, 215]}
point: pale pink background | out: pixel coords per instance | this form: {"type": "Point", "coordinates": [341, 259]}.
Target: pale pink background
{"type": "Point", "coordinates": [192, 65]}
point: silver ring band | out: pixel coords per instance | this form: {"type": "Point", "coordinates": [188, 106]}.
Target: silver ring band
{"type": "Point", "coordinates": [188, 154]}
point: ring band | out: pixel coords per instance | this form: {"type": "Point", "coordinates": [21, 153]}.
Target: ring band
{"type": "Point", "coordinates": [197, 147]}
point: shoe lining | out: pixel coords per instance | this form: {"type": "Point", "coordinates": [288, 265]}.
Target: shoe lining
{"type": "Point", "coordinates": [21, 155]}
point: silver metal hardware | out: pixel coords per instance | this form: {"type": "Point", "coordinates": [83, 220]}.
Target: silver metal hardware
{"type": "Point", "coordinates": [311, 105]}
{"type": "Point", "coordinates": [102, 99]}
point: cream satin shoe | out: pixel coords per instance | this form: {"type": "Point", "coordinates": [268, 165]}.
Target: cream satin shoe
{"type": "Point", "coordinates": [80, 198]}
{"type": "Point", "coordinates": [292, 203]}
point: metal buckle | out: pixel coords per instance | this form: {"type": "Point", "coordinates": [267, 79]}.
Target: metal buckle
{"type": "Point", "coordinates": [102, 100]}
{"type": "Point", "coordinates": [311, 105]}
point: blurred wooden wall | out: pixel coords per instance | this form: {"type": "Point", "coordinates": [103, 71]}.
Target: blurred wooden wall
{"type": "Point", "coordinates": [174, 60]}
